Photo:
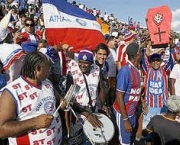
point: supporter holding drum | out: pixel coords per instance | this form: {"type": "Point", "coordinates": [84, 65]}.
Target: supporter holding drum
{"type": "Point", "coordinates": [87, 75]}
{"type": "Point", "coordinates": [28, 104]}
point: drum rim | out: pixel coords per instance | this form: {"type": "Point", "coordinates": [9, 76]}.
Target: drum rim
{"type": "Point", "coordinates": [113, 128]}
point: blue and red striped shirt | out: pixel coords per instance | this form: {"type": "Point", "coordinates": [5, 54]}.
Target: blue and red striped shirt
{"type": "Point", "coordinates": [128, 81]}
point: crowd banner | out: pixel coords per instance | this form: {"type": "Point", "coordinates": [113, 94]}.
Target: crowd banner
{"type": "Point", "coordinates": [67, 24]}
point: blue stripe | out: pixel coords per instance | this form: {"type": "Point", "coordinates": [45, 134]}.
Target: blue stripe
{"type": "Point", "coordinates": [69, 9]}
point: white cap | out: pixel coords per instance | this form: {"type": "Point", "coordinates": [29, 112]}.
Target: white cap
{"type": "Point", "coordinates": [3, 26]}
{"type": "Point", "coordinates": [173, 103]}
{"type": "Point", "coordinates": [115, 34]}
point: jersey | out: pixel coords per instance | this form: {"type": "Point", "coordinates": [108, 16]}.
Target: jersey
{"type": "Point", "coordinates": [156, 82]}
{"type": "Point", "coordinates": [29, 42]}
{"type": "Point", "coordinates": [128, 81]}
{"type": "Point", "coordinates": [121, 54]}
{"type": "Point", "coordinates": [32, 101]}
{"type": "Point", "coordinates": [92, 82]}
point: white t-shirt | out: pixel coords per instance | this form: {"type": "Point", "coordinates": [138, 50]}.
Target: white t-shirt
{"type": "Point", "coordinates": [175, 74]}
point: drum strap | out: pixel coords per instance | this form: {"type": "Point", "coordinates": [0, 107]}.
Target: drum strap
{"type": "Point", "coordinates": [90, 101]}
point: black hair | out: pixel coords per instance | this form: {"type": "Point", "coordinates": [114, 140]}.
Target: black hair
{"type": "Point", "coordinates": [31, 61]}
{"type": "Point", "coordinates": [101, 46]}
{"type": "Point", "coordinates": [30, 19]}
{"type": "Point", "coordinates": [1, 64]}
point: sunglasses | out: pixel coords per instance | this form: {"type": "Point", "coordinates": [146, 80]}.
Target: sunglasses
{"type": "Point", "coordinates": [29, 25]}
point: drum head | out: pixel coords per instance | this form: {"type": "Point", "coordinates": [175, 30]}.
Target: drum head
{"type": "Point", "coordinates": [100, 135]}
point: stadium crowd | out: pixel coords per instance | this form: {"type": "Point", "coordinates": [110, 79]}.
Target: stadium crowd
{"type": "Point", "coordinates": [126, 79]}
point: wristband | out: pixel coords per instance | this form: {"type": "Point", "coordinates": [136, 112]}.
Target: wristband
{"type": "Point", "coordinates": [125, 119]}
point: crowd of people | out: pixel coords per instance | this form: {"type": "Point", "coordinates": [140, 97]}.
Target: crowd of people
{"type": "Point", "coordinates": [135, 85]}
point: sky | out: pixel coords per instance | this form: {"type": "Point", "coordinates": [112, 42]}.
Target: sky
{"type": "Point", "coordinates": [136, 9]}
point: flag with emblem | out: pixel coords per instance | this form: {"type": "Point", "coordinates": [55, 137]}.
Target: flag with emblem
{"type": "Point", "coordinates": [158, 21]}
{"type": "Point", "coordinates": [67, 24]}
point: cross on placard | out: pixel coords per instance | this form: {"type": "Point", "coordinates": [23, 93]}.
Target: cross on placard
{"type": "Point", "coordinates": [159, 33]}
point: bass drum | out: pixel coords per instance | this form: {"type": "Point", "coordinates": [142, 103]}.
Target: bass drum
{"type": "Point", "coordinates": [100, 135]}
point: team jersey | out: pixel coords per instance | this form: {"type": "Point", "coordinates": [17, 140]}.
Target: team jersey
{"type": "Point", "coordinates": [92, 81]}
{"type": "Point", "coordinates": [121, 54]}
{"type": "Point", "coordinates": [32, 101]}
{"type": "Point", "coordinates": [128, 81]}
{"type": "Point", "coordinates": [29, 42]}
{"type": "Point", "coordinates": [156, 83]}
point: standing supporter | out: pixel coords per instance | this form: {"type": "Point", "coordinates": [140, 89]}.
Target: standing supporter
{"type": "Point", "coordinates": [87, 75]}
{"type": "Point", "coordinates": [122, 57]}
{"type": "Point", "coordinates": [156, 83]}
{"type": "Point", "coordinates": [28, 105]}
{"type": "Point", "coordinates": [128, 93]}
{"type": "Point", "coordinates": [175, 79]}
{"type": "Point", "coordinates": [101, 52]}
{"type": "Point", "coordinates": [164, 128]}
{"type": "Point", "coordinates": [112, 67]}
{"type": "Point", "coordinates": [28, 39]}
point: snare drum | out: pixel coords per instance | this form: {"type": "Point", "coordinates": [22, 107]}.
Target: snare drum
{"type": "Point", "coordinates": [100, 135]}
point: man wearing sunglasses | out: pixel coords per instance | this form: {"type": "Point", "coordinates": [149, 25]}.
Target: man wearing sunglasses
{"type": "Point", "coordinates": [28, 39]}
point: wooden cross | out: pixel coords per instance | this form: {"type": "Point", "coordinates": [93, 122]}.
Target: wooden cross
{"type": "Point", "coordinates": [159, 33]}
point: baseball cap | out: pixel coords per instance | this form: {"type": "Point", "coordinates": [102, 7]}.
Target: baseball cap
{"type": "Point", "coordinates": [155, 56]}
{"type": "Point", "coordinates": [86, 55]}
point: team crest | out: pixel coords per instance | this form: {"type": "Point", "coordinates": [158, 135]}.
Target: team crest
{"type": "Point", "coordinates": [84, 57]}
{"type": "Point", "coordinates": [49, 107]}
{"type": "Point", "coordinates": [158, 18]}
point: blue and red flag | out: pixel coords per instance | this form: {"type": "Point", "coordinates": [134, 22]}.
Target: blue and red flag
{"type": "Point", "coordinates": [67, 24]}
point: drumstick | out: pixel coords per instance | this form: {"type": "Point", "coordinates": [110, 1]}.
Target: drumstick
{"type": "Point", "coordinates": [58, 108]}
{"type": "Point", "coordinates": [81, 124]}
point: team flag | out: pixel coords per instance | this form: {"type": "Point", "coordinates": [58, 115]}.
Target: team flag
{"type": "Point", "coordinates": [67, 24]}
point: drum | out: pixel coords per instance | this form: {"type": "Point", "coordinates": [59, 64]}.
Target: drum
{"type": "Point", "coordinates": [99, 135]}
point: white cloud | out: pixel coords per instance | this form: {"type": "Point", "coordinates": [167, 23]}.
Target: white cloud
{"type": "Point", "coordinates": [175, 25]}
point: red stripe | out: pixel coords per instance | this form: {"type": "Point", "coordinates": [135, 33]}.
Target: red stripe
{"type": "Point", "coordinates": [77, 38]}
{"type": "Point", "coordinates": [160, 101]}
{"type": "Point", "coordinates": [120, 49]}
{"type": "Point", "coordinates": [134, 78]}
{"type": "Point", "coordinates": [23, 140]}
{"type": "Point", "coordinates": [13, 59]}
{"type": "Point", "coordinates": [151, 98]}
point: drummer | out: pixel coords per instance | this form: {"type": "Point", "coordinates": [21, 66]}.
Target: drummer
{"type": "Point", "coordinates": [87, 75]}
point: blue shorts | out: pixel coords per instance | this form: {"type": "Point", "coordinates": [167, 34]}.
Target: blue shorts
{"type": "Point", "coordinates": [151, 113]}
{"type": "Point", "coordinates": [124, 137]}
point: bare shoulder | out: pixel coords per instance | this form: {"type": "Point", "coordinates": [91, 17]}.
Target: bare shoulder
{"type": "Point", "coordinates": [7, 107]}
